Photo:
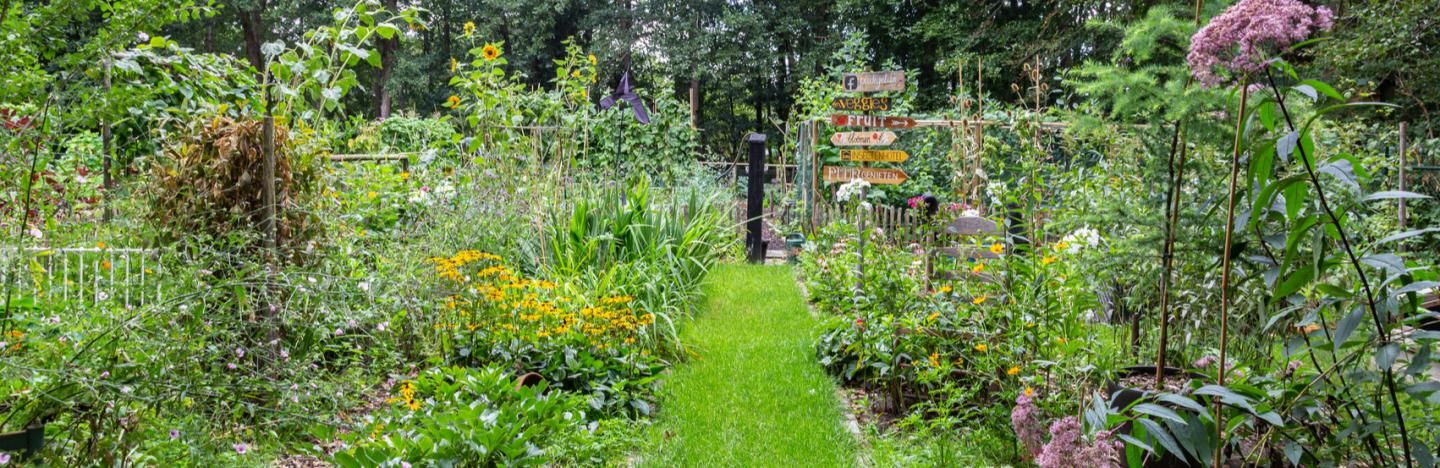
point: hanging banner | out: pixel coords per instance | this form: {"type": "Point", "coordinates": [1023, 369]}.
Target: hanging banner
{"type": "Point", "coordinates": [862, 138]}
{"type": "Point", "coordinates": [872, 82]}
{"type": "Point", "coordinates": [862, 104]}
{"type": "Point", "coordinates": [871, 175]}
{"type": "Point", "coordinates": [871, 121]}
{"type": "Point", "coordinates": [874, 156]}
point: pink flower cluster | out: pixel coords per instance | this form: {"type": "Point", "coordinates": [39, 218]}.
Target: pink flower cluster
{"type": "Point", "coordinates": [1067, 446]}
{"type": "Point", "coordinates": [1238, 39]}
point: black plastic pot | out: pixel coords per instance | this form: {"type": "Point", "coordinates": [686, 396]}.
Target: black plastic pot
{"type": "Point", "coordinates": [1122, 397]}
{"type": "Point", "coordinates": [28, 442]}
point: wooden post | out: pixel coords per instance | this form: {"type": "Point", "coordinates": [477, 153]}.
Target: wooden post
{"type": "Point", "coordinates": [1403, 150]}
{"type": "Point", "coordinates": [267, 145]}
{"type": "Point", "coordinates": [860, 251]}
{"type": "Point", "coordinates": [755, 193]}
{"type": "Point", "coordinates": [694, 103]}
{"type": "Point", "coordinates": [106, 147]}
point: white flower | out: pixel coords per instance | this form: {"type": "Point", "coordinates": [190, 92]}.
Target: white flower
{"type": "Point", "coordinates": [1083, 238]}
{"type": "Point", "coordinates": [35, 232]}
{"type": "Point", "coordinates": [142, 37]}
{"type": "Point", "coordinates": [851, 189]}
{"type": "Point", "coordinates": [970, 212]}
{"type": "Point", "coordinates": [364, 286]}
{"type": "Point", "coordinates": [380, 326]}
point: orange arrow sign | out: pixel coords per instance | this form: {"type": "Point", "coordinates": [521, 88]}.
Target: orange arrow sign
{"type": "Point", "coordinates": [871, 175]}
{"type": "Point", "coordinates": [871, 121]}
{"type": "Point", "coordinates": [874, 156]}
{"type": "Point", "coordinates": [862, 138]}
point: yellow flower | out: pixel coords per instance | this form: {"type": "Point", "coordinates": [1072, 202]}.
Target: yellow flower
{"type": "Point", "coordinates": [979, 300]}
{"type": "Point", "coordinates": [575, 74]}
{"type": "Point", "coordinates": [997, 248]}
{"type": "Point", "coordinates": [592, 59]}
{"type": "Point", "coordinates": [935, 359]}
{"type": "Point", "coordinates": [453, 64]}
{"type": "Point", "coordinates": [1061, 246]}
{"type": "Point", "coordinates": [105, 265]}
{"type": "Point", "coordinates": [453, 102]}
{"type": "Point", "coordinates": [469, 28]}
{"type": "Point", "coordinates": [370, 194]}
{"type": "Point", "coordinates": [1029, 392]}
{"type": "Point", "coordinates": [1047, 260]}
{"type": "Point", "coordinates": [404, 175]}
{"type": "Point", "coordinates": [944, 289]}
{"type": "Point", "coordinates": [99, 245]}
{"type": "Point", "coordinates": [1013, 370]}
{"type": "Point", "coordinates": [979, 267]}
{"type": "Point", "coordinates": [982, 347]}
{"type": "Point", "coordinates": [490, 52]}
{"type": "Point", "coordinates": [932, 317]}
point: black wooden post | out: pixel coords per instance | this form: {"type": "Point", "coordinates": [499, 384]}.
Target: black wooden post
{"type": "Point", "coordinates": [754, 198]}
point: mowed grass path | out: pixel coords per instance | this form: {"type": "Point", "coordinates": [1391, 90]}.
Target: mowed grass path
{"type": "Point", "coordinates": [753, 393]}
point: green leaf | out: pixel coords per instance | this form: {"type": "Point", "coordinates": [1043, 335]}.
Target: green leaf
{"type": "Point", "coordinates": [1347, 326]}
{"type": "Point", "coordinates": [1406, 235]}
{"type": "Point", "coordinates": [1323, 89]}
{"type": "Point", "coordinates": [1297, 279]}
{"type": "Point", "coordinates": [1158, 411]}
{"type": "Point", "coordinates": [1394, 195]}
{"type": "Point", "coordinates": [1163, 436]}
{"type": "Point", "coordinates": [1385, 355]}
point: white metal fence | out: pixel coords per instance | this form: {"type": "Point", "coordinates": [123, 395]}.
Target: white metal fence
{"type": "Point", "coordinates": [73, 278]}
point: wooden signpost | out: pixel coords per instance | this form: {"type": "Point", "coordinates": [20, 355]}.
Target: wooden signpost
{"type": "Point", "coordinates": [871, 175]}
{"type": "Point", "coordinates": [873, 121]}
{"type": "Point", "coordinates": [893, 156]}
{"type": "Point", "coordinates": [863, 104]}
{"type": "Point", "coordinates": [862, 138]}
{"type": "Point", "coordinates": [872, 82]}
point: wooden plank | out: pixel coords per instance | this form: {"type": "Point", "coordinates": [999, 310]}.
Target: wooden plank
{"type": "Point", "coordinates": [840, 120]}
{"type": "Point", "coordinates": [862, 104]}
{"type": "Point", "coordinates": [871, 175]}
{"type": "Point", "coordinates": [862, 138]}
{"type": "Point", "coordinates": [894, 156]}
{"type": "Point", "coordinates": [970, 226]}
{"type": "Point", "coordinates": [873, 82]}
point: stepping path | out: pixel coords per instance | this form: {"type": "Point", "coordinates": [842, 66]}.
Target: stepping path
{"type": "Point", "coordinates": [753, 393]}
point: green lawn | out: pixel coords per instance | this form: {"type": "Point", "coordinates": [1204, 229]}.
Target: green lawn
{"type": "Point", "coordinates": [752, 394]}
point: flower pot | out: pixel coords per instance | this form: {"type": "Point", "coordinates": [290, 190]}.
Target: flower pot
{"type": "Point", "coordinates": [795, 242]}
{"type": "Point", "coordinates": [528, 379]}
{"type": "Point", "coordinates": [1122, 396]}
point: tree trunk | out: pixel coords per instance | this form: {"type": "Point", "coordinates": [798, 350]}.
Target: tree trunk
{"type": "Point", "coordinates": [388, 49]}
{"type": "Point", "coordinates": [252, 27]}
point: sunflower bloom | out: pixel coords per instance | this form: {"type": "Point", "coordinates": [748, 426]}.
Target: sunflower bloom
{"type": "Point", "coordinates": [997, 248]}
{"type": "Point", "coordinates": [979, 267]}
{"type": "Point", "coordinates": [1029, 392]}
{"type": "Point", "coordinates": [592, 59]}
{"type": "Point", "coordinates": [490, 52]}
{"type": "Point", "coordinates": [453, 102]}
{"type": "Point", "coordinates": [469, 28]}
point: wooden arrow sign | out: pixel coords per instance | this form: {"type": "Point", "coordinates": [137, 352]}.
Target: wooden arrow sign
{"type": "Point", "coordinates": [862, 138]}
{"type": "Point", "coordinates": [874, 156]}
{"type": "Point", "coordinates": [862, 104]}
{"type": "Point", "coordinates": [871, 121]}
{"type": "Point", "coordinates": [871, 175]}
{"type": "Point", "coordinates": [872, 82]}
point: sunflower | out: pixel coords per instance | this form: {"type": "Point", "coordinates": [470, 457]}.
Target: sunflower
{"type": "Point", "coordinates": [453, 64]}
{"type": "Point", "coordinates": [490, 52]}
{"type": "Point", "coordinates": [997, 248]}
{"type": "Point", "coordinates": [592, 59]}
{"type": "Point", "coordinates": [469, 28]}
{"type": "Point", "coordinates": [453, 102]}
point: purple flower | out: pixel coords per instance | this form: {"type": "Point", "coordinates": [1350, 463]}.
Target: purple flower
{"type": "Point", "coordinates": [1064, 444]}
{"type": "Point", "coordinates": [241, 448]}
{"type": "Point", "coordinates": [230, 366]}
{"type": "Point", "coordinates": [4, 458]}
{"type": "Point", "coordinates": [240, 352]}
{"type": "Point", "coordinates": [1028, 427]}
{"type": "Point", "coordinates": [174, 434]}
{"type": "Point", "coordinates": [1205, 361]}
{"type": "Point", "coordinates": [105, 375]}
{"type": "Point", "coordinates": [1239, 39]}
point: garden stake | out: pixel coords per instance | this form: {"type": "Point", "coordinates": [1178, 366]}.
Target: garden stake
{"type": "Point", "coordinates": [1354, 262]}
{"type": "Point", "coordinates": [1225, 264]}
